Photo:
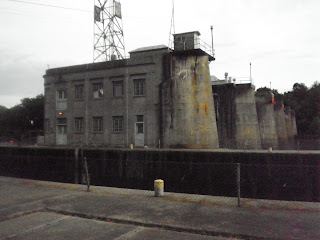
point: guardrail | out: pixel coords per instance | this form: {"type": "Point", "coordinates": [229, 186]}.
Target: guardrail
{"type": "Point", "coordinates": [200, 44]}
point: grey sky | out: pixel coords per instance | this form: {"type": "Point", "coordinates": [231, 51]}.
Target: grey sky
{"type": "Point", "coordinates": [280, 38]}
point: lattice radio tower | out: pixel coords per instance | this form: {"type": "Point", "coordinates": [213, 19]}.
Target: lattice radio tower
{"type": "Point", "coordinates": [108, 33]}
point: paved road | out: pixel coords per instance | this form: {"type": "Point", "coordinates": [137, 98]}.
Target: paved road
{"type": "Point", "coordinates": [42, 210]}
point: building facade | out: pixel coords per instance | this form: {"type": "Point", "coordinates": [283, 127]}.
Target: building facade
{"type": "Point", "coordinates": [123, 102]}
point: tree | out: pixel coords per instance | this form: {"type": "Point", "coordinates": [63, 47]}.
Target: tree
{"type": "Point", "coordinates": [17, 121]}
{"type": "Point", "coordinates": [306, 104]}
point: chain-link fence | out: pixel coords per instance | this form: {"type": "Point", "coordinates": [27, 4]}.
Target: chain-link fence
{"type": "Point", "coordinates": [215, 174]}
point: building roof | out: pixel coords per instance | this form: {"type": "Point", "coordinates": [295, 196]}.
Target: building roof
{"type": "Point", "coordinates": [151, 48]}
{"type": "Point", "coordinates": [197, 32]}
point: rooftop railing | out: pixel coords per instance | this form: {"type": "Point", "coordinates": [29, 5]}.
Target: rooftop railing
{"type": "Point", "coordinates": [200, 44]}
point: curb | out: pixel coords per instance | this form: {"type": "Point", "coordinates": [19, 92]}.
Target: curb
{"type": "Point", "coordinates": [183, 197]}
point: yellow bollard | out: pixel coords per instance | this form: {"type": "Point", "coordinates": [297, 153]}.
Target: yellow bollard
{"type": "Point", "coordinates": [158, 188]}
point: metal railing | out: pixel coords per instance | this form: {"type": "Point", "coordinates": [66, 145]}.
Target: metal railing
{"type": "Point", "coordinates": [200, 44]}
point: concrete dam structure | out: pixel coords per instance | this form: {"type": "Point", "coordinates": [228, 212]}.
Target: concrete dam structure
{"type": "Point", "coordinates": [267, 124]}
{"type": "Point", "coordinates": [249, 120]}
{"type": "Point", "coordinates": [159, 97]}
{"type": "Point", "coordinates": [280, 121]}
{"type": "Point", "coordinates": [237, 119]}
{"type": "Point", "coordinates": [189, 116]}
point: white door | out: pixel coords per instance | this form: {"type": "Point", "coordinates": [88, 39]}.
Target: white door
{"type": "Point", "coordinates": [139, 134]}
{"type": "Point", "coordinates": [61, 135]}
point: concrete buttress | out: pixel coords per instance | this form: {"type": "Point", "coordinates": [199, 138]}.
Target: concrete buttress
{"type": "Point", "coordinates": [189, 119]}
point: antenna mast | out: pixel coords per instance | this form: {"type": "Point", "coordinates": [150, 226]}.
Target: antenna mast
{"type": "Point", "coordinates": [108, 33]}
{"type": "Point", "coordinates": [172, 28]}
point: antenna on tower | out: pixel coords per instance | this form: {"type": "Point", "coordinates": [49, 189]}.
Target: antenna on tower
{"type": "Point", "coordinates": [108, 33]}
{"type": "Point", "coordinates": [172, 28]}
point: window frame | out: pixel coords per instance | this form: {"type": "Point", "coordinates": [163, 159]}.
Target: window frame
{"type": "Point", "coordinates": [79, 95]}
{"type": "Point", "coordinates": [114, 85]}
{"type": "Point", "coordinates": [97, 124]}
{"type": "Point", "coordinates": [117, 124]}
{"type": "Point", "coordinates": [62, 121]}
{"type": "Point", "coordinates": [62, 94]}
{"type": "Point", "coordinates": [79, 125]}
{"type": "Point", "coordinates": [97, 88]}
{"type": "Point", "coordinates": [139, 87]}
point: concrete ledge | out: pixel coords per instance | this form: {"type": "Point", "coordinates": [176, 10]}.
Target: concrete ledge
{"type": "Point", "coordinates": [181, 197]}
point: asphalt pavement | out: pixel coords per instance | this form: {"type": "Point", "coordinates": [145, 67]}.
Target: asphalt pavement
{"type": "Point", "coordinates": [46, 210]}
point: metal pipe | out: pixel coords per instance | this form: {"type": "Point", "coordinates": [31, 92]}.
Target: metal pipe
{"type": "Point", "coordinates": [211, 27]}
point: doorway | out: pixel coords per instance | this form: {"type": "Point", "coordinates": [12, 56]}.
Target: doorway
{"type": "Point", "coordinates": [61, 131]}
{"type": "Point", "coordinates": [139, 132]}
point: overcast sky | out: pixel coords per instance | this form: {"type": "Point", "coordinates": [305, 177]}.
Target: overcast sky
{"type": "Point", "coordinates": [281, 38]}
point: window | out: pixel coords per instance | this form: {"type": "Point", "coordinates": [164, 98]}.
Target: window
{"type": "Point", "coordinates": [78, 95]}
{"type": "Point", "coordinates": [79, 125]}
{"type": "Point", "coordinates": [47, 125]}
{"type": "Point", "coordinates": [118, 89]}
{"type": "Point", "coordinates": [61, 121]}
{"type": "Point", "coordinates": [97, 90]}
{"type": "Point", "coordinates": [139, 118]}
{"type": "Point", "coordinates": [139, 87]}
{"type": "Point", "coordinates": [117, 124]}
{"type": "Point", "coordinates": [62, 94]}
{"type": "Point", "coordinates": [62, 126]}
{"type": "Point", "coordinates": [97, 124]}
{"type": "Point", "coordinates": [139, 127]}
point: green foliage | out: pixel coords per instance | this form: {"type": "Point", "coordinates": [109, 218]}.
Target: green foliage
{"type": "Point", "coordinates": [306, 104]}
{"type": "Point", "coordinates": [18, 120]}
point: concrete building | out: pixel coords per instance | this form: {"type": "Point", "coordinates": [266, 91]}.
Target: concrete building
{"type": "Point", "coordinates": [157, 97]}
{"type": "Point", "coordinates": [236, 112]}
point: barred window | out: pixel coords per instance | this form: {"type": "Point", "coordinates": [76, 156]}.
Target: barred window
{"type": "Point", "coordinates": [79, 125]}
{"type": "Point", "coordinates": [139, 87]}
{"type": "Point", "coordinates": [117, 124]}
{"type": "Point", "coordinates": [79, 90]}
{"type": "Point", "coordinates": [97, 124]}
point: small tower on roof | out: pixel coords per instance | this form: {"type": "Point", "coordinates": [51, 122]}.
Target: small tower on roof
{"type": "Point", "coordinates": [190, 43]}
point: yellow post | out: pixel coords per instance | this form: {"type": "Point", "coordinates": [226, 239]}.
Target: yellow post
{"type": "Point", "coordinates": [158, 188]}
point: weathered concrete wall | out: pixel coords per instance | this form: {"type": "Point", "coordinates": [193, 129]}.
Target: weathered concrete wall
{"type": "Point", "coordinates": [247, 126]}
{"type": "Point", "coordinates": [267, 125]}
{"type": "Point", "coordinates": [237, 119]}
{"type": "Point", "coordinates": [188, 109]}
{"type": "Point", "coordinates": [144, 65]}
{"type": "Point", "coordinates": [294, 123]}
{"type": "Point", "coordinates": [224, 101]}
{"type": "Point", "coordinates": [188, 171]}
{"type": "Point", "coordinates": [289, 127]}
{"type": "Point", "coordinates": [279, 117]}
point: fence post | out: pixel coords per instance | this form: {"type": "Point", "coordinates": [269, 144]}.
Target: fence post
{"type": "Point", "coordinates": [76, 171]}
{"type": "Point", "coordinates": [238, 184]}
{"type": "Point", "coordinates": [87, 173]}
